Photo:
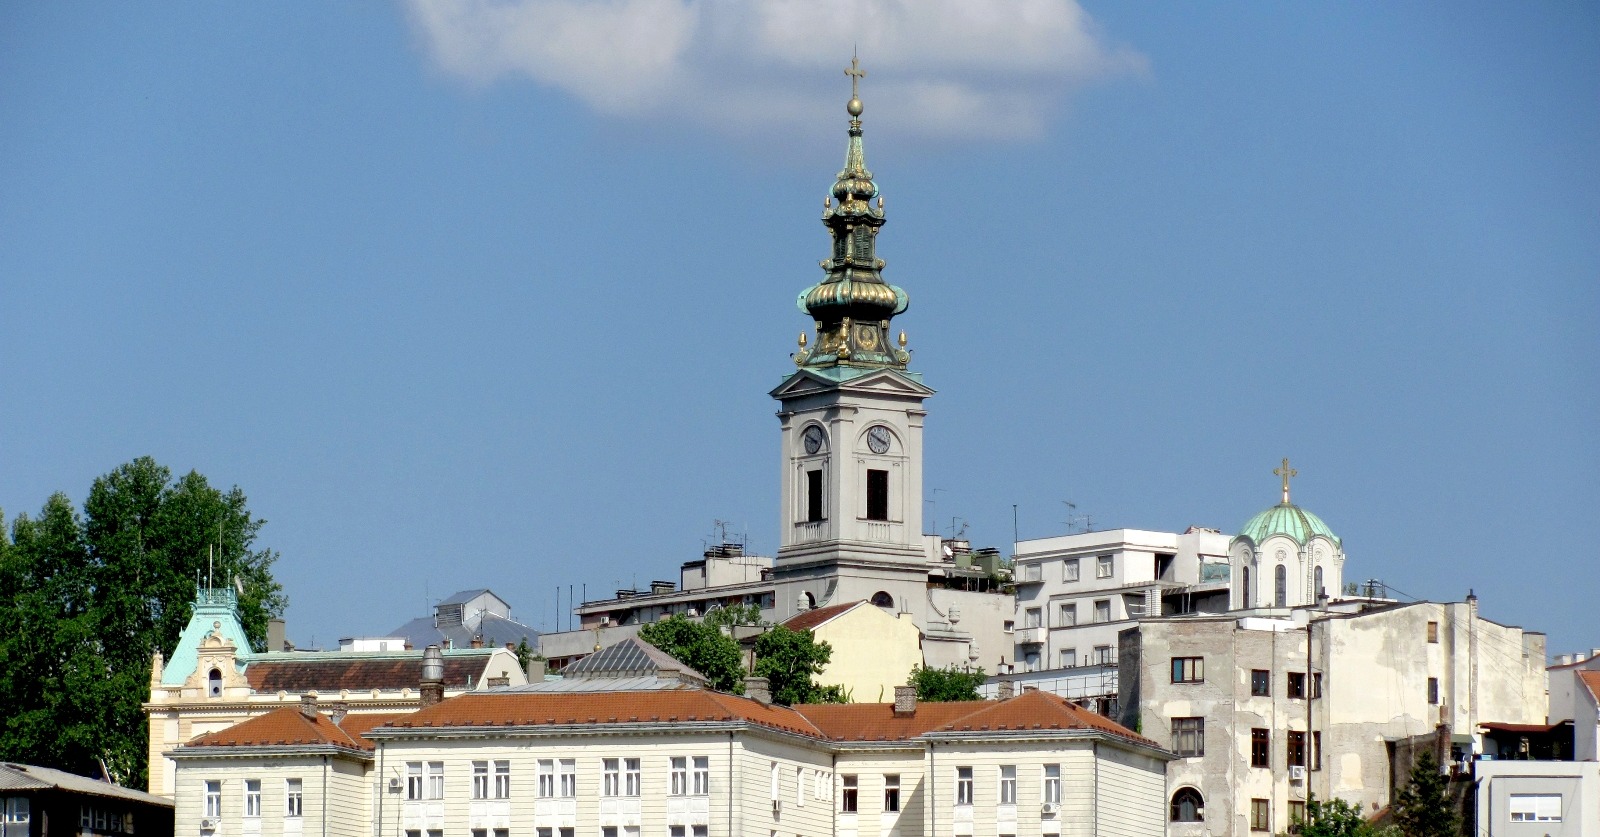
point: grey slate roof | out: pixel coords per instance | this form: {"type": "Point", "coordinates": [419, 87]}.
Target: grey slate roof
{"type": "Point", "coordinates": [468, 595]}
{"type": "Point", "coordinates": [632, 657]}
{"type": "Point", "coordinates": [496, 631]}
{"type": "Point", "coordinates": [24, 777]}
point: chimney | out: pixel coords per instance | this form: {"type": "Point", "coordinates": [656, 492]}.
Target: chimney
{"type": "Point", "coordinates": [905, 701]}
{"type": "Point", "coordinates": [337, 712]}
{"type": "Point", "coordinates": [536, 668]}
{"type": "Point", "coordinates": [275, 639]}
{"type": "Point", "coordinates": [500, 682]}
{"type": "Point", "coordinates": [1029, 688]}
{"type": "Point", "coordinates": [1007, 690]}
{"type": "Point", "coordinates": [477, 642]}
{"type": "Point", "coordinates": [432, 676]}
{"type": "Point", "coordinates": [758, 690]}
{"type": "Point", "coordinates": [1563, 659]}
{"type": "Point", "coordinates": [308, 706]}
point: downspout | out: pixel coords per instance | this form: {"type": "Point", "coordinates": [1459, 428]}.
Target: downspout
{"type": "Point", "coordinates": [381, 792]}
{"type": "Point", "coordinates": [324, 796]}
{"type": "Point", "coordinates": [1094, 750]}
{"type": "Point", "coordinates": [833, 782]}
{"type": "Point", "coordinates": [731, 832]}
{"type": "Point", "coordinates": [933, 793]}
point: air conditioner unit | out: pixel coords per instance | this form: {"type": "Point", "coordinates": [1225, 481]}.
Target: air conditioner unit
{"type": "Point", "coordinates": [777, 807]}
{"type": "Point", "coordinates": [208, 825]}
{"type": "Point", "coordinates": [1297, 773]}
{"type": "Point", "coordinates": [394, 784]}
{"type": "Point", "coordinates": [1049, 808]}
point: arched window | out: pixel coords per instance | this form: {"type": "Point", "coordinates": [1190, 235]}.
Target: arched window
{"type": "Point", "coordinates": [1188, 806]}
{"type": "Point", "coordinates": [1280, 578]}
{"type": "Point", "coordinates": [882, 599]}
{"type": "Point", "coordinates": [1244, 588]}
{"type": "Point", "coordinates": [214, 683]}
{"type": "Point", "coordinates": [1317, 585]}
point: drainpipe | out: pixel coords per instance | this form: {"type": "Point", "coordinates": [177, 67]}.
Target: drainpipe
{"type": "Point", "coordinates": [324, 796]}
{"type": "Point", "coordinates": [382, 791]}
{"type": "Point", "coordinates": [933, 793]}
{"type": "Point", "coordinates": [730, 783]}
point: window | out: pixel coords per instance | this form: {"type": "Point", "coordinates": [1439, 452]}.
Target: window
{"type": "Point", "coordinates": [1031, 617]}
{"type": "Point", "coordinates": [1244, 587]}
{"type": "Point", "coordinates": [1067, 616]}
{"type": "Point", "coordinates": [1260, 747]}
{"type": "Point", "coordinates": [502, 780]}
{"type": "Point", "coordinates": [436, 780]}
{"type": "Point", "coordinates": [1316, 684]}
{"type": "Point", "coordinates": [1102, 654]}
{"type": "Point", "coordinates": [1260, 682]}
{"type": "Point", "coordinates": [1008, 784]}
{"type": "Point", "coordinates": [1030, 572]}
{"type": "Point", "coordinates": [1052, 783]}
{"type": "Point", "coordinates": [630, 777]}
{"type": "Point", "coordinates": [214, 683]}
{"type": "Point", "coordinates": [1316, 751]}
{"type": "Point", "coordinates": [1009, 626]}
{"type": "Point", "coordinates": [963, 786]}
{"type": "Point", "coordinates": [1104, 566]}
{"type": "Point", "coordinates": [1280, 581]}
{"type": "Point", "coordinates": [1102, 610]}
{"type": "Point", "coordinates": [891, 793]}
{"type": "Point", "coordinates": [1188, 806]}
{"type": "Point", "coordinates": [814, 496]}
{"type": "Point", "coordinates": [1316, 584]}
{"type": "Point", "coordinates": [567, 770]}
{"type": "Point", "coordinates": [480, 780]}
{"type": "Point", "coordinates": [680, 776]}
{"type": "Point", "coordinates": [877, 494]}
{"type": "Point", "coordinates": [1189, 737]}
{"type": "Point", "coordinates": [17, 817]}
{"type": "Point", "coordinates": [800, 787]}
{"type": "Point", "coordinates": [1069, 569]}
{"type": "Point", "coordinates": [252, 797]}
{"type": "Point", "coordinates": [292, 798]}
{"type": "Point", "coordinates": [1433, 690]}
{"type": "Point", "coordinates": [774, 781]}
{"type": "Point", "coordinates": [848, 798]}
{"type": "Point", "coordinates": [702, 775]}
{"type": "Point", "coordinates": [547, 778]}
{"type": "Point", "coordinates": [1297, 685]}
{"type": "Point", "coordinates": [1260, 815]}
{"type": "Point", "coordinates": [413, 780]}
{"type": "Point", "coordinates": [213, 799]}
{"type": "Point", "coordinates": [1535, 807]}
{"type": "Point", "coordinates": [1297, 815]}
{"type": "Point", "coordinates": [611, 777]}
{"type": "Point", "coordinates": [1433, 631]}
{"type": "Point", "coordinates": [1188, 669]}
{"type": "Point", "coordinates": [1297, 748]}
{"type": "Point", "coordinates": [1069, 657]}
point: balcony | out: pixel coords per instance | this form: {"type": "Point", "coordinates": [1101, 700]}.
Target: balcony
{"type": "Point", "coordinates": [1030, 636]}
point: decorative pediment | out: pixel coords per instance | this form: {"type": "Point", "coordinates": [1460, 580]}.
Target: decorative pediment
{"type": "Point", "coordinates": [879, 381]}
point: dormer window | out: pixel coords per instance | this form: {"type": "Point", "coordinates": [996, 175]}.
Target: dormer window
{"type": "Point", "coordinates": [214, 683]}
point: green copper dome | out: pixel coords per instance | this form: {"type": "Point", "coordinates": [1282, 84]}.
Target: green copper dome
{"type": "Point", "coordinates": [1286, 519]}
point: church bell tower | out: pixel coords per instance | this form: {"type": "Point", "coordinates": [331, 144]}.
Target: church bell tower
{"type": "Point", "coordinates": [851, 417]}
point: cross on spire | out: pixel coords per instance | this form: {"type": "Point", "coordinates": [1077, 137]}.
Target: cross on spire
{"type": "Point", "coordinates": [1286, 472]}
{"type": "Point", "coordinates": [856, 74]}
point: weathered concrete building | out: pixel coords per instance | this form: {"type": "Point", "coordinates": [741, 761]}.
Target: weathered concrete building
{"type": "Point", "coordinates": [1266, 708]}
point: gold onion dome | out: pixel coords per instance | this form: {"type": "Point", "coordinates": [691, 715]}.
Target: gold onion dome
{"type": "Point", "coordinates": [852, 305]}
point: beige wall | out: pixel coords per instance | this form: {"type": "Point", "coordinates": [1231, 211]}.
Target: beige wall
{"type": "Point", "coordinates": [873, 652]}
{"type": "Point", "coordinates": [343, 780]}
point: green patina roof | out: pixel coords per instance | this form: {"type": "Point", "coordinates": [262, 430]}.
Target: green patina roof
{"type": "Point", "coordinates": [1286, 519]}
{"type": "Point", "coordinates": [211, 607]}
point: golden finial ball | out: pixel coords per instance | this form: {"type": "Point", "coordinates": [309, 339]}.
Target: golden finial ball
{"type": "Point", "coordinates": [854, 107]}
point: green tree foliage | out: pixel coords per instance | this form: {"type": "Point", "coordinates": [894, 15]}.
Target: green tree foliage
{"type": "Point", "coordinates": [701, 646]}
{"type": "Point", "coordinates": [790, 660]}
{"type": "Point", "coordinates": [1333, 818]}
{"type": "Point", "coordinates": [1423, 808]}
{"type": "Point", "coordinates": [734, 616]}
{"type": "Point", "coordinates": [946, 684]}
{"type": "Point", "coordinates": [86, 600]}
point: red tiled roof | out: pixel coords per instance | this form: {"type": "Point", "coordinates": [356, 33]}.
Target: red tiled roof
{"type": "Point", "coordinates": [1592, 680]}
{"type": "Point", "coordinates": [1031, 710]}
{"type": "Point", "coordinates": [570, 708]}
{"type": "Point", "coordinates": [335, 672]}
{"type": "Point", "coordinates": [813, 618]}
{"type": "Point", "coordinates": [289, 727]}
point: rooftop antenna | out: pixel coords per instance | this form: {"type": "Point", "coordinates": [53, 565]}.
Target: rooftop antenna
{"type": "Point", "coordinates": [1071, 507]}
{"type": "Point", "coordinates": [933, 509]}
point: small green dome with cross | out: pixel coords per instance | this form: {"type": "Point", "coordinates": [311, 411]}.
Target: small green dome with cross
{"type": "Point", "coordinates": [1286, 518]}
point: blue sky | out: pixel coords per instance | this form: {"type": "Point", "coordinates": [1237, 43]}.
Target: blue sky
{"type": "Point", "coordinates": [493, 296]}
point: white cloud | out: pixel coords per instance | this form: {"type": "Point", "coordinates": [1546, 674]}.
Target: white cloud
{"type": "Point", "coordinates": [940, 67]}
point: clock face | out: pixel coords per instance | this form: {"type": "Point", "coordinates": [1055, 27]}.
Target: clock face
{"type": "Point", "coordinates": [878, 439]}
{"type": "Point", "coordinates": [812, 439]}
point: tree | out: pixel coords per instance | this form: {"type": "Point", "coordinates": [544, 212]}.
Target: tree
{"type": "Point", "coordinates": [86, 600]}
{"type": "Point", "coordinates": [1423, 808]}
{"type": "Point", "coordinates": [700, 646]}
{"type": "Point", "coordinates": [946, 684]}
{"type": "Point", "coordinates": [1333, 818]}
{"type": "Point", "coordinates": [790, 660]}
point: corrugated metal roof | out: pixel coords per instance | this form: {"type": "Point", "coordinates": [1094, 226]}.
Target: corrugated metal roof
{"type": "Point", "coordinates": [638, 683]}
{"type": "Point", "coordinates": [468, 595]}
{"type": "Point", "coordinates": [18, 777]}
{"type": "Point", "coordinates": [630, 657]}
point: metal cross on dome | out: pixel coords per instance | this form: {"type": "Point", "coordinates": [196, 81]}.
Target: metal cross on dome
{"type": "Point", "coordinates": [1286, 472]}
{"type": "Point", "coordinates": [856, 74]}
